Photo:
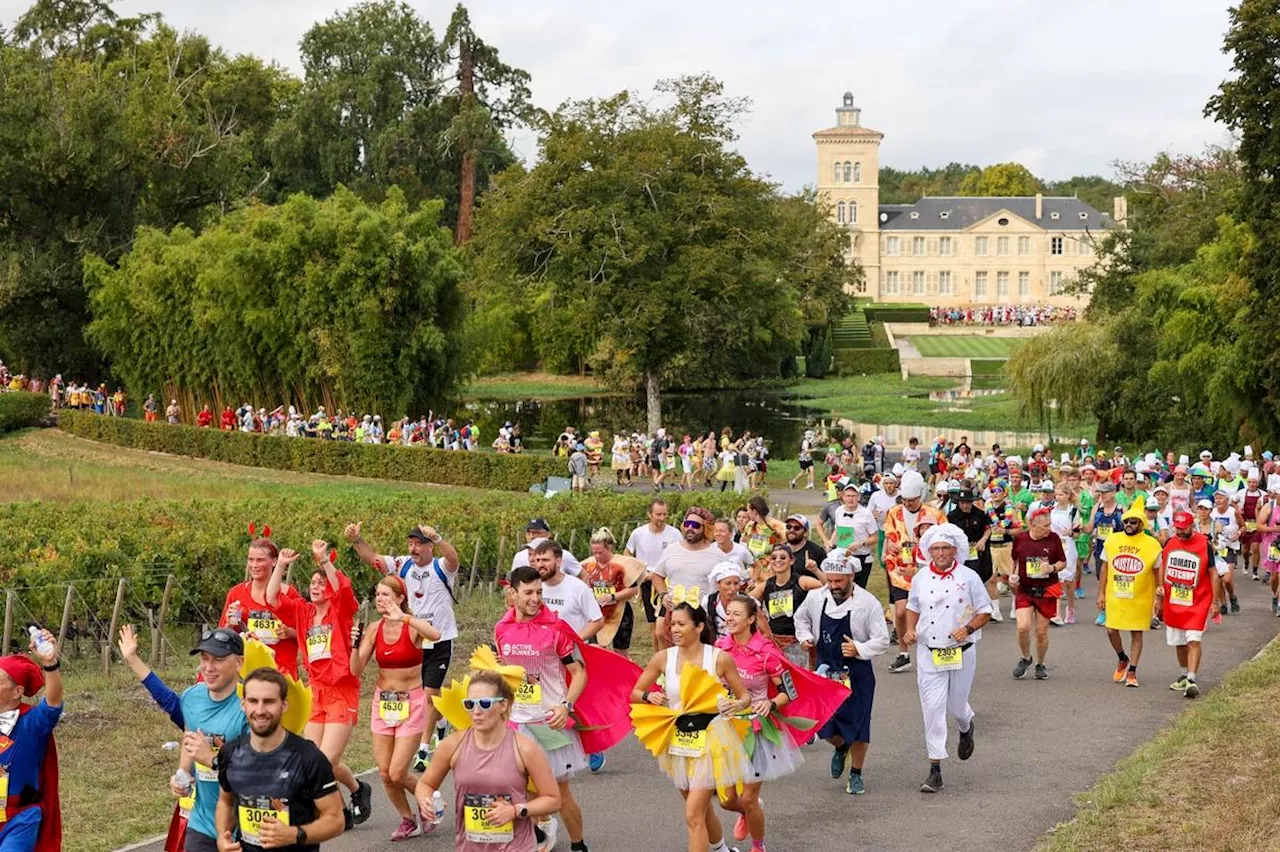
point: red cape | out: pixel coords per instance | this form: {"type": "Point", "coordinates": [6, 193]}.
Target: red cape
{"type": "Point", "coordinates": [50, 837]}
{"type": "Point", "coordinates": [603, 713]}
{"type": "Point", "coordinates": [817, 697]}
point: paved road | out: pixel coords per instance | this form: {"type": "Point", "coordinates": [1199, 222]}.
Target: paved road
{"type": "Point", "coordinates": [1038, 742]}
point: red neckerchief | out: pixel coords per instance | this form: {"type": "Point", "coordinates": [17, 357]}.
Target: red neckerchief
{"type": "Point", "coordinates": [946, 573]}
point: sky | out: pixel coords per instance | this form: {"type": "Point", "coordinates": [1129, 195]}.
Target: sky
{"type": "Point", "coordinates": [1065, 89]}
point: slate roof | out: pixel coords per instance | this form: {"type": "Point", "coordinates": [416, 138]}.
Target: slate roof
{"type": "Point", "coordinates": [964, 211]}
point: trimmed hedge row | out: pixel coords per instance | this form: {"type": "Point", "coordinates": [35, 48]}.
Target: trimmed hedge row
{"type": "Point", "coordinates": [897, 313]}
{"type": "Point", "coordinates": [311, 455]}
{"type": "Point", "coordinates": [852, 362]}
{"type": "Point", "coordinates": [20, 409]}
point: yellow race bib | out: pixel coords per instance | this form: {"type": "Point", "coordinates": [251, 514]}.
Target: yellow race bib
{"type": "Point", "coordinates": [4, 794]}
{"type": "Point", "coordinates": [393, 707]}
{"type": "Point", "coordinates": [688, 743]}
{"type": "Point", "coordinates": [529, 693]}
{"type": "Point", "coordinates": [1122, 586]}
{"type": "Point", "coordinates": [1036, 568]}
{"type": "Point", "coordinates": [253, 810]}
{"type": "Point", "coordinates": [264, 627]}
{"type": "Point", "coordinates": [781, 604]}
{"type": "Point", "coordinates": [318, 642]}
{"type": "Point", "coordinates": [1251, 526]}
{"type": "Point", "coordinates": [603, 591]}
{"type": "Point", "coordinates": [947, 659]}
{"type": "Point", "coordinates": [475, 808]}
{"type": "Point", "coordinates": [973, 552]}
{"type": "Point", "coordinates": [1181, 595]}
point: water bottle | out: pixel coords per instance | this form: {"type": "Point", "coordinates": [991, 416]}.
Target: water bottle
{"type": "Point", "coordinates": [43, 646]}
{"type": "Point", "coordinates": [437, 805]}
{"type": "Point", "coordinates": [822, 670]}
{"type": "Point", "coordinates": [183, 779]}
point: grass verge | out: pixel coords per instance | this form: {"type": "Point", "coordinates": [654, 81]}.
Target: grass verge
{"type": "Point", "coordinates": [1205, 782]}
{"type": "Point", "coordinates": [533, 386]}
{"type": "Point", "coordinates": [977, 346]}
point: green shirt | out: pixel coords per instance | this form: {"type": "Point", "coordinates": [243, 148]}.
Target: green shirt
{"type": "Point", "coordinates": [1124, 500]}
{"type": "Point", "coordinates": [1022, 499]}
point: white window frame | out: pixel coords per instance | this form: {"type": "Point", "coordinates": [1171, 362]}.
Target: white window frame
{"type": "Point", "coordinates": [837, 173]}
{"type": "Point", "coordinates": [1002, 285]}
{"type": "Point", "coordinates": [857, 172]}
{"type": "Point", "coordinates": [980, 285]}
{"type": "Point", "coordinates": [1055, 283]}
{"type": "Point", "coordinates": [891, 283]}
{"type": "Point", "coordinates": [1024, 285]}
{"type": "Point", "coordinates": [848, 172]}
{"type": "Point", "coordinates": [917, 283]}
{"type": "Point", "coordinates": [980, 246]}
{"type": "Point", "coordinates": [840, 213]}
{"type": "Point", "coordinates": [917, 247]}
{"type": "Point", "coordinates": [891, 246]}
{"type": "Point", "coordinates": [1002, 246]}
{"type": "Point", "coordinates": [944, 282]}
{"type": "Point", "coordinates": [1024, 246]}
{"type": "Point", "coordinates": [853, 212]}
{"type": "Point", "coordinates": [944, 246]}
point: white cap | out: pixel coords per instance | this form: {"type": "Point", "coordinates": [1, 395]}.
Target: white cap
{"type": "Point", "coordinates": [1038, 448]}
{"type": "Point", "coordinates": [944, 534]}
{"type": "Point", "coordinates": [912, 485]}
{"type": "Point", "coordinates": [723, 570]}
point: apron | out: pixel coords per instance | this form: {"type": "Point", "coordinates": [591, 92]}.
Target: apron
{"type": "Point", "coordinates": [852, 721]}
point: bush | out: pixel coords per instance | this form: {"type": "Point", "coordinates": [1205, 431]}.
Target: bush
{"type": "Point", "coordinates": [852, 362]}
{"type": "Point", "coordinates": [203, 543]}
{"type": "Point", "coordinates": [311, 455]}
{"type": "Point", "coordinates": [818, 357]}
{"type": "Point", "coordinates": [897, 313]}
{"type": "Point", "coordinates": [19, 409]}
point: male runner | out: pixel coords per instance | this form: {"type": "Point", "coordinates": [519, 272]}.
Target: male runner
{"type": "Point", "coordinates": [537, 530]}
{"type": "Point", "coordinates": [277, 788]}
{"type": "Point", "coordinates": [1127, 589]}
{"type": "Point", "coordinates": [28, 760]}
{"type": "Point", "coordinates": [900, 526]}
{"type": "Point", "coordinates": [430, 575]}
{"type": "Point", "coordinates": [1038, 557]}
{"type": "Point", "coordinates": [647, 543]}
{"type": "Point", "coordinates": [856, 531]}
{"type": "Point", "coordinates": [1189, 585]}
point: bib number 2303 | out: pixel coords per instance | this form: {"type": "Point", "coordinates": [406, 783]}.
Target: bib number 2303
{"type": "Point", "coordinates": [947, 659]}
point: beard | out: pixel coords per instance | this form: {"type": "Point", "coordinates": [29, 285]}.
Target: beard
{"type": "Point", "coordinates": [795, 537]}
{"type": "Point", "coordinates": [695, 536]}
{"type": "Point", "coordinates": [264, 727]}
{"type": "Point", "coordinates": [839, 595]}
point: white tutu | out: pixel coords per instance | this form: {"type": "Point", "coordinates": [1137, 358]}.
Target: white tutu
{"type": "Point", "coordinates": [724, 762]}
{"type": "Point", "coordinates": [565, 761]}
{"type": "Point", "coordinates": [771, 762]}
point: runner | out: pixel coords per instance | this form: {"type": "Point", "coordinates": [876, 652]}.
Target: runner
{"type": "Point", "coordinates": [537, 530]}
{"type": "Point", "coordinates": [29, 760]}
{"type": "Point", "coordinates": [647, 544]}
{"type": "Point", "coordinates": [247, 610]}
{"type": "Point", "coordinates": [277, 788]}
{"type": "Point", "coordinates": [1188, 586]}
{"type": "Point", "coordinates": [1127, 590]}
{"type": "Point", "coordinates": [568, 597]}
{"type": "Point", "coordinates": [1038, 557]}
{"type": "Point", "coordinates": [977, 527]}
{"type": "Point", "coordinates": [730, 550]}
{"type": "Point", "coordinates": [880, 503]}
{"type": "Point", "coordinates": [900, 542]}
{"type": "Point", "coordinates": [325, 623]}
{"type": "Point", "coordinates": [1269, 546]}
{"type": "Point", "coordinates": [612, 579]}
{"type": "Point", "coordinates": [703, 754]}
{"type": "Point", "coordinates": [727, 579]}
{"type": "Point", "coordinates": [1006, 522]}
{"type": "Point", "coordinates": [805, 460]}
{"type": "Point", "coordinates": [430, 574]}
{"type": "Point", "coordinates": [780, 595]}
{"type": "Point", "coordinates": [502, 782]}
{"type": "Point", "coordinates": [1105, 520]}
{"type": "Point", "coordinates": [1226, 542]}
{"type": "Point", "coordinates": [398, 717]}
{"type": "Point", "coordinates": [1065, 521]}
{"type": "Point", "coordinates": [843, 624]}
{"type": "Point", "coordinates": [760, 535]}
{"type": "Point", "coordinates": [856, 531]}
{"type": "Point", "coordinates": [806, 554]}
{"type": "Point", "coordinates": [686, 567]}
{"type": "Point", "coordinates": [946, 611]}
{"type": "Point", "coordinates": [1248, 500]}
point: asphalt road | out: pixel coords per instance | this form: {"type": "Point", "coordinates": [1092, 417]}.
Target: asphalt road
{"type": "Point", "coordinates": [1037, 743]}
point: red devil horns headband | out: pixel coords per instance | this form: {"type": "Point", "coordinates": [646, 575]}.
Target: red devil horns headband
{"type": "Point", "coordinates": [253, 530]}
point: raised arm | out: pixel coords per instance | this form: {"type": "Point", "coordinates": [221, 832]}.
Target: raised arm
{"type": "Point", "coordinates": [363, 549]}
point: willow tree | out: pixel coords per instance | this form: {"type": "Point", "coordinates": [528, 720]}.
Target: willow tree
{"type": "Point", "coordinates": [1060, 369]}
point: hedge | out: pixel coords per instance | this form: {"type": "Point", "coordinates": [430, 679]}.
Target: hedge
{"type": "Point", "coordinates": [19, 409]}
{"type": "Point", "coordinates": [43, 546]}
{"type": "Point", "coordinates": [503, 472]}
{"type": "Point", "coordinates": [852, 362]}
{"type": "Point", "coordinates": [897, 313]}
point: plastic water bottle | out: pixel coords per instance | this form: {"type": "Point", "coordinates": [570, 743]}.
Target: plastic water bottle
{"type": "Point", "coordinates": [437, 805]}
{"type": "Point", "coordinates": [43, 646]}
{"type": "Point", "coordinates": [822, 670]}
{"type": "Point", "coordinates": [183, 779]}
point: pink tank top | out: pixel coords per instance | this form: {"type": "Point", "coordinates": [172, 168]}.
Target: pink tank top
{"type": "Point", "coordinates": [480, 776]}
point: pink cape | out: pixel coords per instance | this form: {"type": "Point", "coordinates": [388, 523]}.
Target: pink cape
{"type": "Point", "coordinates": [603, 713]}
{"type": "Point", "coordinates": [817, 697]}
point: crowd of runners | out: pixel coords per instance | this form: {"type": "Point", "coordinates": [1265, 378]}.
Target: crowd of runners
{"type": "Point", "coordinates": [1024, 315]}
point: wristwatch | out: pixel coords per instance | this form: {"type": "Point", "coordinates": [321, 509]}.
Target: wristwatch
{"type": "Point", "coordinates": [301, 836]}
{"type": "Point", "coordinates": [523, 812]}
{"type": "Point", "coordinates": [568, 705]}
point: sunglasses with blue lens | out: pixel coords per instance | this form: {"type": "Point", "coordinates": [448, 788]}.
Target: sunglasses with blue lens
{"type": "Point", "coordinates": [470, 704]}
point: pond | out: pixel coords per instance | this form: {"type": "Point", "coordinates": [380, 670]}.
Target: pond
{"type": "Point", "coordinates": [780, 419]}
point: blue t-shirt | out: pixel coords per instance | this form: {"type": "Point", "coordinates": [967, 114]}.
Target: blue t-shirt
{"type": "Point", "coordinates": [221, 721]}
{"type": "Point", "coordinates": [27, 744]}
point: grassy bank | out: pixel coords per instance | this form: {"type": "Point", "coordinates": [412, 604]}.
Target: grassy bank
{"type": "Point", "coordinates": [533, 386]}
{"type": "Point", "coordinates": [1206, 782]}
{"type": "Point", "coordinates": [951, 346]}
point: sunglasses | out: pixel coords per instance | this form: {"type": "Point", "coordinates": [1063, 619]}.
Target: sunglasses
{"type": "Point", "coordinates": [693, 525]}
{"type": "Point", "coordinates": [470, 704]}
{"type": "Point", "coordinates": [220, 633]}
{"type": "Point", "coordinates": [794, 527]}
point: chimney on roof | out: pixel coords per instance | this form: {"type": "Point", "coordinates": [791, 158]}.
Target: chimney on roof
{"type": "Point", "coordinates": [1039, 205]}
{"type": "Point", "coordinates": [1120, 209]}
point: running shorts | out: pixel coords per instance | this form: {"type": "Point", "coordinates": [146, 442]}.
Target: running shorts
{"type": "Point", "coordinates": [411, 726]}
{"type": "Point", "coordinates": [335, 705]}
{"type": "Point", "coordinates": [435, 664]}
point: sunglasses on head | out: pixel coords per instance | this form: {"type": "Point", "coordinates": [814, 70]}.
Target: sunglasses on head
{"type": "Point", "coordinates": [470, 704]}
{"type": "Point", "coordinates": [693, 525]}
{"type": "Point", "coordinates": [222, 634]}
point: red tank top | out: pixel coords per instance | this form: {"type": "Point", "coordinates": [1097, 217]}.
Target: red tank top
{"type": "Point", "coordinates": [403, 654]}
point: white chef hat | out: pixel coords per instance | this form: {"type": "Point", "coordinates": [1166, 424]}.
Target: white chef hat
{"type": "Point", "coordinates": [723, 570]}
{"type": "Point", "coordinates": [1014, 461]}
{"type": "Point", "coordinates": [944, 534]}
{"type": "Point", "coordinates": [1248, 451]}
{"type": "Point", "coordinates": [1184, 459]}
{"type": "Point", "coordinates": [898, 469]}
{"type": "Point", "coordinates": [912, 485]}
{"type": "Point", "coordinates": [836, 563]}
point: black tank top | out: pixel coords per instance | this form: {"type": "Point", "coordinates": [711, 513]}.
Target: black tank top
{"type": "Point", "coordinates": [781, 602]}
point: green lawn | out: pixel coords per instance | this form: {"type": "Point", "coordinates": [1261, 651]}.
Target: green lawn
{"type": "Point", "coordinates": [948, 346]}
{"type": "Point", "coordinates": [533, 386]}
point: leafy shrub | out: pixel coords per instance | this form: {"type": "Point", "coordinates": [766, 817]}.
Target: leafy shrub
{"type": "Point", "coordinates": [20, 409]}
{"type": "Point", "coordinates": [311, 455]}
{"type": "Point", "coordinates": [852, 362]}
{"type": "Point", "coordinates": [897, 313]}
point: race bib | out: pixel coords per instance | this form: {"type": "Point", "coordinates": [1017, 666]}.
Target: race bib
{"type": "Point", "coordinates": [207, 773]}
{"type": "Point", "coordinates": [529, 693]}
{"type": "Point", "coordinates": [758, 544]}
{"type": "Point", "coordinates": [4, 792]}
{"type": "Point", "coordinates": [1103, 532]}
{"type": "Point", "coordinates": [688, 743]}
{"type": "Point", "coordinates": [264, 626]}
{"type": "Point", "coordinates": [780, 604]}
{"type": "Point", "coordinates": [844, 537]}
{"type": "Point", "coordinates": [1181, 595]}
{"type": "Point", "coordinates": [185, 803]}
{"type": "Point", "coordinates": [475, 807]}
{"type": "Point", "coordinates": [318, 645]}
{"type": "Point", "coordinates": [1251, 526]}
{"type": "Point", "coordinates": [393, 707]}
{"type": "Point", "coordinates": [1223, 551]}
{"type": "Point", "coordinates": [947, 659]}
{"type": "Point", "coordinates": [253, 810]}
{"type": "Point", "coordinates": [1122, 586]}
{"type": "Point", "coordinates": [1036, 568]}
{"type": "Point", "coordinates": [603, 591]}
{"type": "Point", "coordinates": [1273, 552]}
{"type": "Point", "coordinates": [973, 553]}
{"type": "Point", "coordinates": [997, 534]}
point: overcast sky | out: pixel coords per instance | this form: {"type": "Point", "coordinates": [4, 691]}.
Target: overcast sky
{"type": "Point", "coordinates": [1063, 88]}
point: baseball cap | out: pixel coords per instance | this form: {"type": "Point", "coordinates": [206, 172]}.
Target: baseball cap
{"type": "Point", "coordinates": [1106, 485]}
{"type": "Point", "coordinates": [1204, 504]}
{"type": "Point", "coordinates": [538, 524]}
{"type": "Point", "coordinates": [1047, 485]}
{"type": "Point", "coordinates": [1183, 519]}
{"type": "Point", "coordinates": [221, 641]}
{"type": "Point", "coordinates": [799, 519]}
{"type": "Point", "coordinates": [419, 534]}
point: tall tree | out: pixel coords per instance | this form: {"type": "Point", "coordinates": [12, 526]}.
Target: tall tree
{"type": "Point", "coordinates": [1002, 179]}
{"type": "Point", "coordinates": [642, 230]}
{"type": "Point", "coordinates": [491, 98]}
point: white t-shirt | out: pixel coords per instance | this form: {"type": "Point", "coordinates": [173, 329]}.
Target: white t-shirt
{"type": "Point", "coordinates": [568, 563]}
{"type": "Point", "coordinates": [428, 596]}
{"type": "Point", "coordinates": [880, 504]}
{"type": "Point", "coordinates": [573, 601]}
{"type": "Point", "coordinates": [648, 546]}
{"type": "Point", "coordinates": [910, 455]}
{"type": "Point", "coordinates": [684, 567]}
{"type": "Point", "coordinates": [737, 553]}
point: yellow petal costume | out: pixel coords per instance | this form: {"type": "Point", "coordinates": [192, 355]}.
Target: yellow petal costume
{"type": "Point", "coordinates": [259, 656]}
{"type": "Point", "coordinates": [694, 745]}
{"type": "Point", "coordinates": [449, 701]}
{"type": "Point", "coordinates": [1131, 581]}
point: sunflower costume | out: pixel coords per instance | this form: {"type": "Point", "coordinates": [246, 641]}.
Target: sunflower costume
{"type": "Point", "coordinates": [695, 745]}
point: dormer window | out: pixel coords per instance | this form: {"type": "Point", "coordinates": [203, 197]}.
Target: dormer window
{"type": "Point", "coordinates": [945, 214]}
{"type": "Point", "coordinates": [1084, 215]}
{"type": "Point", "coordinates": [915, 214]}
{"type": "Point", "coordinates": [1054, 216]}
